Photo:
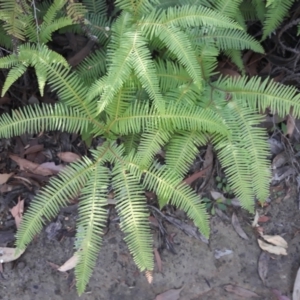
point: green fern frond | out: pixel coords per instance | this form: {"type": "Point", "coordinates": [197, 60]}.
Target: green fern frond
{"type": "Point", "coordinates": [133, 212]}
{"type": "Point", "coordinates": [92, 216]}
{"type": "Point", "coordinates": [12, 13]}
{"type": "Point", "coordinates": [117, 74]}
{"type": "Point", "coordinates": [182, 149]}
{"type": "Point", "coordinates": [36, 118]}
{"type": "Point", "coordinates": [169, 187]}
{"type": "Point", "coordinates": [140, 118]}
{"type": "Point", "coordinates": [92, 67]}
{"type": "Point", "coordinates": [48, 202]}
{"type": "Point", "coordinates": [145, 70]}
{"type": "Point", "coordinates": [192, 16]}
{"type": "Point", "coordinates": [95, 6]}
{"type": "Point", "coordinates": [99, 26]}
{"type": "Point", "coordinates": [248, 10]}
{"type": "Point", "coordinates": [150, 144]}
{"type": "Point", "coordinates": [13, 75]}
{"type": "Point", "coordinates": [170, 74]}
{"type": "Point", "coordinates": [6, 40]}
{"type": "Point", "coordinates": [226, 39]}
{"type": "Point", "coordinates": [228, 8]}
{"type": "Point", "coordinates": [252, 139]}
{"type": "Point", "coordinates": [275, 14]}
{"type": "Point", "coordinates": [236, 58]}
{"type": "Point", "coordinates": [260, 94]}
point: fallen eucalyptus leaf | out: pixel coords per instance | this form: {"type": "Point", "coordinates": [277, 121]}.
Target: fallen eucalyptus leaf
{"type": "Point", "coordinates": [263, 265]}
{"type": "Point", "coordinates": [271, 248]}
{"type": "Point", "coordinates": [296, 290]}
{"type": "Point", "coordinates": [69, 264]}
{"type": "Point", "coordinates": [172, 294]}
{"type": "Point", "coordinates": [276, 240]}
{"type": "Point", "coordinates": [240, 291]}
{"type": "Point", "coordinates": [9, 254]}
{"type": "Point", "coordinates": [237, 227]}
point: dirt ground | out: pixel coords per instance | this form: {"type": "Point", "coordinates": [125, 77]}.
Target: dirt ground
{"type": "Point", "coordinates": [195, 268]}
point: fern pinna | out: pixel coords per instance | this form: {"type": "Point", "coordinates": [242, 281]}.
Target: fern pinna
{"type": "Point", "coordinates": [140, 102]}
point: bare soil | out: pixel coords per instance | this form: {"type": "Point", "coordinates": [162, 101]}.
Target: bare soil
{"type": "Point", "coordinates": [194, 267]}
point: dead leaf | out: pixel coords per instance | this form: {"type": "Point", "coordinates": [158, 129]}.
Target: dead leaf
{"type": "Point", "coordinates": [17, 212]}
{"type": "Point", "coordinates": [69, 264]}
{"type": "Point", "coordinates": [290, 125]}
{"type": "Point", "coordinates": [30, 166]}
{"type": "Point", "coordinates": [296, 291]}
{"type": "Point", "coordinates": [195, 176]}
{"type": "Point", "coordinates": [276, 240]}
{"type": "Point", "coordinates": [158, 259]}
{"type": "Point", "coordinates": [172, 294]}
{"type": "Point", "coordinates": [68, 157]}
{"type": "Point", "coordinates": [5, 177]}
{"type": "Point", "coordinates": [271, 249]}
{"type": "Point", "coordinates": [255, 221]}
{"type": "Point", "coordinates": [9, 254]}
{"type": "Point", "coordinates": [34, 149]}
{"type": "Point", "coordinates": [263, 266]}
{"type": "Point", "coordinates": [240, 291]}
{"type": "Point", "coordinates": [53, 167]}
{"type": "Point", "coordinates": [237, 227]}
{"type": "Point", "coordinates": [217, 195]}
{"type": "Point", "coordinates": [279, 160]}
{"type": "Point", "coordinates": [263, 219]}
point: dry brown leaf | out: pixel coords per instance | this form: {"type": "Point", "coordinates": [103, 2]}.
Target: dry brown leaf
{"type": "Point", "coordinates": [296, 291]}
{"type": "Point", "coordinates": [172, 294]}
{"type": "Point", "coordinates": [237, 227]}
{"type": "Point", "coordinates": [263, 266]}
{"type": "Point", "coordinates": [69, 264]}
{"type": "Point", "coordinates": [53, 167]}
{"type": "Point", "coordinates": [68, 157]}
{"type": "Point", "coordinates": [240, 291]}
{"type": "Point", "coordinates": [276, 240]}
{"type": "Point", "coordinates": [5, 177]}
{"type": "Point", "coordinates": [158, 259]}
{"type": "Point", "coordinates": [9, 254]}
{"type": "Point", "coordinates": [34, 149]}
{"type": "Point", "coordinates": [271, 249]}
{"type": "Point", "coordinates": [17, 212]}
{"type": "Point", "coordinates": [217, 195]}
{"type": "Point", "coordinates": [30, 166]}
{"type": "Point", "coordinates": [290, 125]}
{"type": "Point", "coordinates": [263, 219]}
{"type": "Point", "coordinates": [255, 221]}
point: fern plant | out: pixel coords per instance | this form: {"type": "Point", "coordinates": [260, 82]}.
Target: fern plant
{"type": "Point", "coordinates": [155, 89]}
